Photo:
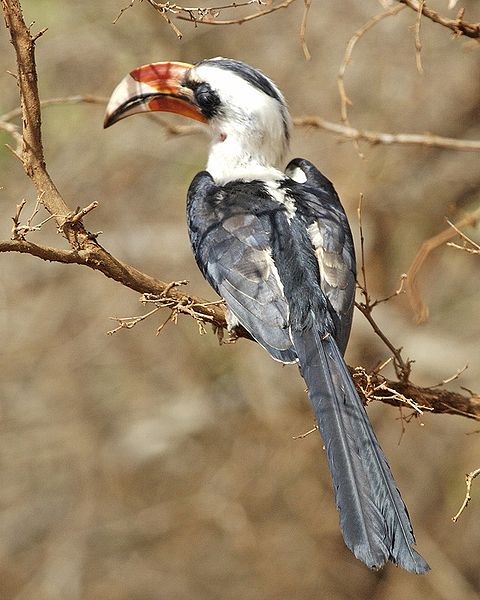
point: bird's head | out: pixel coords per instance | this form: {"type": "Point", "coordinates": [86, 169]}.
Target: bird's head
{"type": "Point", "coordinates": [246, 114]}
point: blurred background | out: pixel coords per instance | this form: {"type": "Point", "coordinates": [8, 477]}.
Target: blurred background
{"type": "Point", "coordinates": [142, 467]}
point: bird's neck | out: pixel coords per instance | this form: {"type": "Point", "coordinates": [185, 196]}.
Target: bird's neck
{"type": "Point", "coordinates": [231, 158]}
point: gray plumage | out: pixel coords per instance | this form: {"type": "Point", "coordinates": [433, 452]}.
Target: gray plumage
{"type": "Point", "coordinates": [288, 276]}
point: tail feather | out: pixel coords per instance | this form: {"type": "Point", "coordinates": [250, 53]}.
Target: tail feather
{"type": "Point", "coordinates": [373, 517]}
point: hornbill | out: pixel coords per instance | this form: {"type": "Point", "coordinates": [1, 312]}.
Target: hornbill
{"type": "Point", "coordinates": [276, 245]}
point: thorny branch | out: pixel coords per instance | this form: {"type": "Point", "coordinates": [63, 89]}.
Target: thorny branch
{"type": "Point", "coordinates": [85, 250]}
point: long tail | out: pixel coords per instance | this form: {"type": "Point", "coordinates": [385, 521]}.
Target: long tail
{"type": "Point", "coordinates": [373, 517]}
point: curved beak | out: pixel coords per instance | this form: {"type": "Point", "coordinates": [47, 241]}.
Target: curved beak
{"type": "Point", "coordinates": [154, 87]}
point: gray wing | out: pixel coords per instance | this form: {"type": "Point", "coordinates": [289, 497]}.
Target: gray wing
{"type": "Point", "coordinates": [233, 251]}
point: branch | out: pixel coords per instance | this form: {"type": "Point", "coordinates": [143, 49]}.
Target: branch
{"type": "Point", "coordinates": [377, 137]}
{"type": "Point", "coordinates": [206, 15]}
{"type": "Point", "coordinates": [210, 18]}
{"type": "Point", "coordinates": [32, 151]}
{"type": "Point", "coordinates": [213, 313]}
{"type": "Point", "coordinates": [458, 25]}
{"type": "Point", "coordinates": [313, 121]}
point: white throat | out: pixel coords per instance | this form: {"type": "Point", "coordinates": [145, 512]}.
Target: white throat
{"type": "Point", "coordinates": [230, 158]}
{"type": "Point", "coordinates": [249, 134]}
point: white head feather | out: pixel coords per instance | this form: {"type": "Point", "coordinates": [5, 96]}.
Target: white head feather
{"type": "Point", "coordinates": [250, 131]}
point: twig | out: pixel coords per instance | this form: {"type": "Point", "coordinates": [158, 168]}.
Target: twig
{"type": "Point", "coordinates": [14, 131]}
{"type": "Point", "coordinates": [205, 15]}
{"type": "Point", "coordinates": [303, 30]}
{"type": "Point", "coordinates": [469, 477]}
{"type": "Point", "coordinates": [80, 213]}
{"type": "Point", "coordinates": [122, 10]}
{"type": "Point", "coordinates": [419, 307]}
{"type": "Point", "coordinates": [130, 322]}
{"type": "Point", "coordinates": [76, 99]}
{"type": "Point", "coordinates": [19, 231]}
{"type": "Point", "coordinates": [458, 25]}
{"type": "Point", "coordinates": [418, 41]}
{"type": "Point", "coordinates": [453, 377]}
{"type": "Point", "coordinates": [347, 58]}
{"type": "Point", "coordinates": [362, 248]}
{"type": "Point", "coordinates": [238, 21]}
{"type": "Point", "coordinates": [373, 383]}
{"type": "Point", "coordinates": [468, 244]}
{"type": "Point", "coordinates": [402, 368]}
{"type": "Point", "coordinates": [302, 436]}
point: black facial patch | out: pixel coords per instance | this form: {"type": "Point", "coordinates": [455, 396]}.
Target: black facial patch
{"type": "Point", "coordinates": [206, 98]}
{"type": "Point", "coordinates": [253, 77]}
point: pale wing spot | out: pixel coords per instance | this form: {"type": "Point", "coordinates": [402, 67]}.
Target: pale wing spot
{"type": "Point", "coordinates": [328, 272]}
{"type": "Point", "coordinates": [282, 197]}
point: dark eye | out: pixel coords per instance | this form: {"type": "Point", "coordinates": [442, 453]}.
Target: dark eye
{"type": "Point", "coordinates": [207, 99]}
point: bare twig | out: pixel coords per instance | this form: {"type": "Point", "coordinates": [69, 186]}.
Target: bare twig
{"type": "Point", "coordinates": [402, 367]}
{"type": "Point", "coordinates": [347, 58]}
{"type": "Point", "coordinates": [122, 10]}
{"type": "Point", "coordinates": [453, 377]}
{"type": "Point", "coordinates": [77, 99]}
{"type": "Point", "coordinates": [303, 29]}
{"type": "Point", "coordinates": [129, 322]}
{"type": "Point", "coordinates": [206, 15]}
{"type": "Point", "coordinates": [469, 477]}
{"type": "Point", "coordinates": [468, 244]}
{"type": "Point", "coordinates": [418, 41]}
{"type": "Point", "coordinates": [302, 436]}
{"type": "Point", "coordinates": [375, 387]}
{"type": "Point", "coordinates": [79, 213]}
{"type": "Point", "coordinates": [211, 20]}
{"type": "Point", "coordinates": [457, 25]}
{"type": "Point", "coordinates": [19, 231]}
{"type": "Point", "coordinates": [419, 307]}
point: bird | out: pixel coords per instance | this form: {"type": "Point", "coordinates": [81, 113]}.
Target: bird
{"type": "Point", "coordinates": [276, 245]}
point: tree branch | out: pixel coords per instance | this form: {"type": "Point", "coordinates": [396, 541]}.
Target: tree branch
{"type": "Point", "coordinates": [378, 137]}
{"type": "Point", "coordinates": [313, 121]}
{"type": "Point", "coordinates": [458, 25]}
{"type": "Point", "coordinates": [438, 400]}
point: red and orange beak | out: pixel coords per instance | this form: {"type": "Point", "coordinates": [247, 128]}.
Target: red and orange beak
{"type": "Point", "coordinates": [154, 87]}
